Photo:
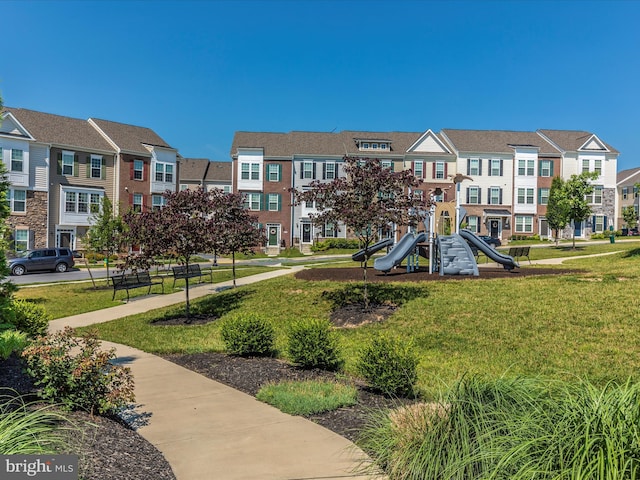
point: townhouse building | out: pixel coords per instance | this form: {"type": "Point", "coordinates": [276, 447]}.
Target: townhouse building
{"type": "Point", "coordinates": [219, 176]}
{"type": "Point", "coordinates": [506, 176]}
{"type": "Point", "coordinates": [627, 193]}
{"type": "Point", "coordinates": [191, 173]}
{"type": "Point", "coordinates": [60, 168]}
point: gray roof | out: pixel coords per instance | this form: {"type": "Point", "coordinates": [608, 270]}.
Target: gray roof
{"type": "Point", "coordinates": [193, 169]}
{"type": "Point", "coordinates": [497, 141]}
{"type": "Point", "coordinates": [571, 140]}
{"type": "Point", "coordinates": [321, 143]}
{"type": "Point", "coordinates": [131, 138]}
{"type": "Point", "coordinates": [625, 174]}
{"type": "Point", "coordinates": [61, 131]}
{"type": "Point", "coordinates": [219, 172]}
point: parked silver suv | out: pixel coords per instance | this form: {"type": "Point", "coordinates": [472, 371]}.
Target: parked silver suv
{"type": "Point", "coordinates": [54, 259]}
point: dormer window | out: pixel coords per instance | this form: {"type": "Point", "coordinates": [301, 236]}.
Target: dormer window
{"type": "Point", "coordinates": [383, 146]}
{"type": "Point", "coordinates": [373, 144]}
{"type": "Point", "coordinates": [365, 146]}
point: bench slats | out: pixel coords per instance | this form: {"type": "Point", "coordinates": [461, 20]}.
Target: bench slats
{"type": "Point", "coordinates": [516, 252]}
{"type": "Point", "coordinates": [134, 280]}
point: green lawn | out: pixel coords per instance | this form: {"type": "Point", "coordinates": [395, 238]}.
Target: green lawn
{"type": "Point", "coordinates": [562, 326]}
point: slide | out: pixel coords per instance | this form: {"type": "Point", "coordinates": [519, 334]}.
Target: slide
{"type": "Point", "coordinates": [507, 261]}
{"type": "Point", "coordinates": [403, 248]}
{"type": "Point", "coordinates": [363, 254]}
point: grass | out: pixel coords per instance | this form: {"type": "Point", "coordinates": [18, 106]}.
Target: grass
{"type": "Point", "coordinates": [66, 299]}
{"type": "Point", "coordinates": [308, 397]}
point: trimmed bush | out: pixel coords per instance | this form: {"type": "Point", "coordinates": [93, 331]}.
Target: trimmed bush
{"type": "Point", "coordinates": [30, 318]}
{"type": "Point", "coordinates": [389, 366]}
{"type": "Point", "coordinates": [248, 335]}
{"type": "Point", "coordinates": [313, 344]}
{"type": "Point", "coordinates": [74, 372]}
{"type": "Point", "coordinates": [12, 341]}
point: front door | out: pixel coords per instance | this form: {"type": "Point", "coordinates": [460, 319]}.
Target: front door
{"type": "Point", "coordinates": [306, 232]}
{"type": "Point", "coordinates": [494, 228]}
{"type": "Point", "coordinates": [544, 228]}
{"type": "Point", "coordinates": [65, 237]}
{"type": "Point", "coordinates": [578, 230]}
{"type": "Point", "coordinates": [273, 235]}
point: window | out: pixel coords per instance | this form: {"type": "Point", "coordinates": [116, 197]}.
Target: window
{"type": "Point", "coordinates": [21, 240]}
{"type": "Point", "coordinates": [137, 202]}
{"type": "Point", "coordinates": [226, 188]}
{"type": "Point", "coordinates": [164, 172]}
{"type": "Point", "coordinates": [635, 192]}
{"type": "Point", "coordinates": [525, 196]}
{"type": "Point", "coordinates": [96, 166]}
{"type": "Point", "coordinates": [543, 196]}
{"type": "Point", "coordinates": [473, 223]}
{"type": "Point", "coordinates": [67, 163]}
{"type": "Point", "coordinates": [307, 169]}
{"type": "Point", "coordinates": [418, 168]}
{"type": "Point", "coordinates": [245, 171]}
{"type": "Point", "coordinates": [157, 202]}
{"type": "Point", "coordinates": [94, 203]}
{"type": "Point", "coordinates": [255, 171]}
{"type": "Point", "coordinates": [585, 165]}
{"type": "Point", "coordinates": [183, 187]}
{"type": "Point", "coordinates": [625, 192]}
{"type": "Point", "coordinates": [546, 168]}
{"type": "Point", "coordinates": [596, 196]}
{"type": "Point", "coordinates": [365, 145]}
{"type": "Point", "coordinates": [273, 202]}
{"type": "Point", "coordinates": [474, 166]}
{"type": "Point", "coordinates": [524, 224]}
{"type": "Point", "coordinates": [329, 171]}
{"type": "Point", "coordinates": [273, 172]}
{"type": "Point", "coordinates": [526, 167]}
{"type": "Point", "coordinates": [439, 170]}
{"type": "Point", "coordinates": [83, 202]}
{"type": "Point", "coordinates": [495, 195]}
{"type": "Point", "coordinates": [138, 166]}
{"type": "Point", "coordinates": [17, 160]}
{"type": "Point", "coordinates": [329, 230]}
{"type": "Point", "coordinates": [374, 146]}
{"type": "Point", "coordinates": [70, 199]}
{"type": "Point", "coordinates": [252, 201]}
{"type": "Point", "coordinates": [387, 164]}
{"type": "Point", "coordinates": [597, 166]}
{"type": "Point", "coordinates": [18, 201]}
{"type": "Point", "coordinates": [495, 167]}
{"type": "Point", "coordinates": [473, 195]}
{"type": "Point", "coordinates": [599, 225]}
{"type": "Point", "coordinates": [383, 146]}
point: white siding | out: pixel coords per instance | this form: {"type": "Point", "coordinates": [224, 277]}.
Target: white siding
{"type": "Point", "coordinates": [250, 157]}
{"type": "Point", "coordinates": [39, 167]}
{"type": "Point", "coordinates": [18, 179]}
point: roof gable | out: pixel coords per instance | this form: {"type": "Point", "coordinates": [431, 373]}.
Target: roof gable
{"type": "Point", "coordinates": [576, 140]}
{"type": "Point", "coordinates": [130, 138]}
{"type": "Point", "coordinates": [594, 143]}
{"type": "Point", "coordinates": [429, 143]}
{"type": "Point", "coordinates": [12, 127]}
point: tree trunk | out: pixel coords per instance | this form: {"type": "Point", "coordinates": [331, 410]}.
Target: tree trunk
{"type": "Point", "coordinates": [233, 267]}
{"type": "Point", "coordinates": [186, 292]}
{"type": "Point", "coordinates": [365, 292]}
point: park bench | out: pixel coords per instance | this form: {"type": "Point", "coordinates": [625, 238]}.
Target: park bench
{"type": "Point", "coordinates": [516, 252]}
{"type": "Point", "coordinates": [127, 281]}
{"type": "Point", "coordinates": [182, 272]}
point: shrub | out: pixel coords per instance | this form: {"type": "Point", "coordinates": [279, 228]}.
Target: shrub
{"type": "Point", "coordinates": [313, 344]}
{"type": "Point", "coordinates": [389, 366]}
{"type": "Point", "coordinates": [247, 335]}
{"type": "Point", "coordinates": [73, 371]}
{"type": "Point", "coordinates": [12, 341]}
{"type": "Point", "coordinates": [335, 243]}
{"type": "Point", "coordinates": [30, 318]}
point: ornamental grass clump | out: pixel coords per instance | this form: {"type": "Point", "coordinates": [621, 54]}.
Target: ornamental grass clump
{"type": "Point", "coordinates": [312, 343]}
{"type": "Point", "coordinates": [12, 341]}
{"type": "Point", "coordinates": [72, 370]}
{"type": "Point", "coordinates": [248, 335]}
{"type": "Point", "coordinates": [308, 397]}
{"type": "Point", "coordinates": [389, 365]}
{"type": "Point", "coordinates": [513, 429]}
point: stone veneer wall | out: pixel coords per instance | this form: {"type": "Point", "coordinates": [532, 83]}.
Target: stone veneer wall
{"type": "Point", "coordinates": [35, 219]}
{"type": "Point", "coordinates": [608, 208]}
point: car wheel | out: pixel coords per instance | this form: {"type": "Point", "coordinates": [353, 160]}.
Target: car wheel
{"type": "Point", "coordinates": [61, 267]}
{"type": "Point", "coordinates": [18, 270]}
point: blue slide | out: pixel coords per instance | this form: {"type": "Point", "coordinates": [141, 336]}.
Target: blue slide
{"type": "Point", "coordinates": [362, 255]}
{"type": "Point", "coordinates": [507, 261]}
{"type": "Point", "coordinates": [404, 247]}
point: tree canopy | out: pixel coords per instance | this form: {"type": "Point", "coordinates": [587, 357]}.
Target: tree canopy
{"type": "Point", "coordinates": [105, 235]}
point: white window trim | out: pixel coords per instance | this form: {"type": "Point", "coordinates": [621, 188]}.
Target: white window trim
{"type": "Point", "coordinates": [66, 153]}
{"type": "Point", "coordinates": [100, 166]}
{"type": "Point", "coordinates": [12, 200]}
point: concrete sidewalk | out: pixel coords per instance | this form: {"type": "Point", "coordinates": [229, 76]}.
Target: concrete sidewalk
{"type": "Point", "coordinates": [207, 430]}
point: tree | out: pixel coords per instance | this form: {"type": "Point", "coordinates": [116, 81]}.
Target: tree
{"type": "Point", "coordinates": [183, 227]}
{"type": "Point", "coordinates": [236, 230]}
{"type": "Point", "coordinates": [630, 216]}
{"type": "Point", "coordinates": [557, 214]}
{"type": "Point", "coordinates": [367, 200]}
{"type": "Point", "coordinates": [105, 235]}
{"type": "Point", "coordinates": [576, 190]}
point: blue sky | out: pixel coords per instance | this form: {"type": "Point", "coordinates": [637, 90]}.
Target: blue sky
{"type": "Point", "coordinates": [197, 71]}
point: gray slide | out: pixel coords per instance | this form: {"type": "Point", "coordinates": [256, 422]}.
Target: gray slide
{"type": "Point", "coordinates": [403, 248]}
{"type": "Point", "coordinates": [507, 261]}
{"type": "Point", "coordinates": [363, 254]}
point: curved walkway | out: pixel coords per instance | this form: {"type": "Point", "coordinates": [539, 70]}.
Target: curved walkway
{"type": "Point", "coordinates": [207, 430]}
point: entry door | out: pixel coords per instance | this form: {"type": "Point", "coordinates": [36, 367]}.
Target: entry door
{"type": "Point", "coordinates": [578, 229]}
{"type": "Point", "coordinates": [273, 235]}
{"type": "Point", "coordinates": [306, 232]}
{"type": "Point", "coordinates": [494, 228]}
{"type": "Point", "coordinates": [65, 238]}
{"type": "Point", "coordinates": [544, 228]}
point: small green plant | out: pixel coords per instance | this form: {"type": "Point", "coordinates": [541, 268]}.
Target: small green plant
{"type": "Point", "coordinates": [337, 244]}
{"type": "Point", "coordinates": [73, 371]}
{"type": "Point", "coordinates": [313, 344]}
{"type": "Point", "coordinates": [378, 293]}
{"type": "Point", "coordinates": [27, 429]}
{"type": "Point", "coordinates": [247, 335]}
{"type": "Point", "coordinates": [308, 397]}
{"type": "Point", "coordinates": [30, 318]}
{"type": "Point", "coordinates": [389, 366]}
{"type": "Point", "coordinates": [12, 341]}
